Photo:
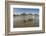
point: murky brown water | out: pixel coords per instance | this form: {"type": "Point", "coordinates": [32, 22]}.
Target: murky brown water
{"type": "Point", "coordinates": [26, 21]}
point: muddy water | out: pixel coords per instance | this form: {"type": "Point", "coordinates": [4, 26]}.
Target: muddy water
{"type": "Point", "coordinates": [26, 21]}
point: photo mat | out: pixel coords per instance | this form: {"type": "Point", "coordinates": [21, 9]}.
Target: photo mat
{"type": "Point", "coordinates": [29, 15]}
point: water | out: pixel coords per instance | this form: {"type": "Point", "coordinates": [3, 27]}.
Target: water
{"type": "Point", "coordinates": [26, 21]}
{"type": "Point", "coordinates": [36, 20]}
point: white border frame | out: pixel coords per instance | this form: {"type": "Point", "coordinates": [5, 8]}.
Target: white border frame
{"type": "Point", "coordinates": [27, 28]}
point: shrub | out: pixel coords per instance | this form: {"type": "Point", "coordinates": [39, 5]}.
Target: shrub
{"type": "Point", "coordinates": [14, 15]}
{"type": "Point", "coordinates": [30, 19]}
{"type": "Point", "coordinates": [24, 20]}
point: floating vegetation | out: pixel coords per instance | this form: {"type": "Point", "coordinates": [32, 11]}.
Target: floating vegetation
{"type": "Point", "coordinates": [30, 19]}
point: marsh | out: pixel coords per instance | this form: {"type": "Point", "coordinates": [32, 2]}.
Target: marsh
{"type": "Point", "coordinates": [26, 21]}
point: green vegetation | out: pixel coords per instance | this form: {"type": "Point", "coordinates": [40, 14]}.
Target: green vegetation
{"type": "Point", "coordinates": [14, 15]}
{"type": "Point", "coordinates": [25, 14]}
{"type": "Point", "coordinates": [30, 19]}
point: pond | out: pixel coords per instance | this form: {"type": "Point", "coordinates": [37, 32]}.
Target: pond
{"type": "Point", "coordinates": [26, 21]}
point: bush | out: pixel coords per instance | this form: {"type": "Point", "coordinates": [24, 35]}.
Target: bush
{"type": "Point", "coordinates": [30, 19]}
{"type": "Point", "coordinates": [24, 20]}
{"type": "Point", "coordinates": [14, 15]}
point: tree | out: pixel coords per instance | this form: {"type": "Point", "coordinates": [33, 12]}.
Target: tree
{"type": "Point", "coordinates": [14, 15]}
{"type": "Point", "coordinates": [23, 14]}
{"type": "Point", "coordinates": [24, 17]}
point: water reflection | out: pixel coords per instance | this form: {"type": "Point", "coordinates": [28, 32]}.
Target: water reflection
{"type": "Point", "coordinates": [26, 21]}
